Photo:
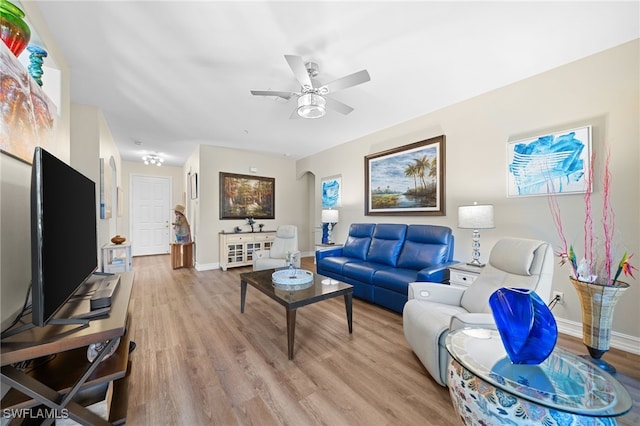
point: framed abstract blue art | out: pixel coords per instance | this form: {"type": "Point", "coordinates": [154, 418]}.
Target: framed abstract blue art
{"type": "Point", "coordinates": [556, 163]}
{"type": "Point", "coordinates": [332, 191]}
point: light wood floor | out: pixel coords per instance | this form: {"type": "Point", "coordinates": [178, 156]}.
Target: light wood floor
{"type": "Point", "coordinates": [200, 361]}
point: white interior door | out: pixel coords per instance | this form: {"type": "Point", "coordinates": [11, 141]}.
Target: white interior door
{"type": "Point", "coordinates": [151, 215]}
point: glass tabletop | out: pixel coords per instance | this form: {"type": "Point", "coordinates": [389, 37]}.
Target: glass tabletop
{"type": "Point", "coordinates": [297, 295]}
{"type": "Point", "coordinates": [563, 381]}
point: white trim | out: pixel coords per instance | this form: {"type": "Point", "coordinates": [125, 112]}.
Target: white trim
{"type": "Point", "coordinates": [207, 266]}
{"type": "Point", "coordinates": [624, 342]}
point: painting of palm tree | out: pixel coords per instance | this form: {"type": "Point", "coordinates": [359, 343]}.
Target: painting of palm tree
{"type": "Point", "coordinates": [406, 180]}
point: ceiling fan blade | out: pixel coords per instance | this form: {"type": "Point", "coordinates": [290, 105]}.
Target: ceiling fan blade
{"type": "Point", "coordinates": [294, 114]}
{"type": "Point", "coordinates": [299, 70]}
{"type": "Point", "coordinates": [285, 95]}
{"type": "Point", "coordinates": [347, 81]}
{"type": "Point", "coordinates": [338, 106]}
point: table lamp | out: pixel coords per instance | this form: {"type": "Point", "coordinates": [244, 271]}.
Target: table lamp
{"type": "Point", "coordinates": [476, 216]}
{"type": "Point", "coordinates": [329, 219]}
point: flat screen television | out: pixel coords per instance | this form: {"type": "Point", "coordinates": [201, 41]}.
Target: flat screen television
{"type": "Point", "coordinates": [64, 250]}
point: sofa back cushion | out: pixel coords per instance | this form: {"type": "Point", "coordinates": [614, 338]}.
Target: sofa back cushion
{"type": "Point", "coordinates": [426, 245]}
{"type": "Point", "coordinates": [358, 241]}
{"type": "Point", "coordinates": [386, 243]}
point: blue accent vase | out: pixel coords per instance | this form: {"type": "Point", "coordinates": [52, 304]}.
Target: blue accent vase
{"type": "Point", "coordinates": [526, 325]}
{"type": "Point", "coordinates": [325, 233]}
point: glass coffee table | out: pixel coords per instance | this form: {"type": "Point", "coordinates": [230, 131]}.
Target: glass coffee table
{"type": "Point", "coordinates": [294, 297]}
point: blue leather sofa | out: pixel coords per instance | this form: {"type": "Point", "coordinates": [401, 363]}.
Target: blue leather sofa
{"type": "Point", "coordinates": [380, 260]}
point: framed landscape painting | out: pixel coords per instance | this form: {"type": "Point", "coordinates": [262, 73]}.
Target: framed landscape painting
{"type": "Point", "coordinates": [244, 196]}
{"type": "Point", "coordinates": [555, 163]}
{"type": "Point", "coordinates": [409, 180]}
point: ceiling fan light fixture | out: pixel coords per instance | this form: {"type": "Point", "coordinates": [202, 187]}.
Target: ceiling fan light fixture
{"type": "Point", "coordinates": [311, 105]}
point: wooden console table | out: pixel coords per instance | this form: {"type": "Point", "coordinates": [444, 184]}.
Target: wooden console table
{"type": "Point", "coordinates": [236, 249]}
{"type": "Point", "coordinates": [68, 376]}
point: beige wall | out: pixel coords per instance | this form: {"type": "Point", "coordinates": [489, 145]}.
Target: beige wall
{"type": "Point", "coordinates": [91, 143]}
{"type": "Point", "coordinates": [291, 197]}
{"type": "Point", "coordinates": [601, 90]}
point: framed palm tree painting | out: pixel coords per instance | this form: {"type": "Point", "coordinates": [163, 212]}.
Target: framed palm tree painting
{"type": "Point", "coordinates": [409, 180]}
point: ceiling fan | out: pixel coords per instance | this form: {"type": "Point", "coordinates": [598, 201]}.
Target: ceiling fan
{"type": "Point", "coordinates": [312, 101]}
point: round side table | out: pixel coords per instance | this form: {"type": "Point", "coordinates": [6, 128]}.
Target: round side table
{"type": "Point", "coordinates": [565, 389]}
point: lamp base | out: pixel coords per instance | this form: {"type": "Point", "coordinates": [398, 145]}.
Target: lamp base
{"type": "Point", "coordinates": [476, 263]}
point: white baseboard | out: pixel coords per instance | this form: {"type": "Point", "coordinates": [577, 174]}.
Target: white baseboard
{"type": "Point", "coordinates": [207, 266]}
{"type": "Point", "coordinates": [620, 341]}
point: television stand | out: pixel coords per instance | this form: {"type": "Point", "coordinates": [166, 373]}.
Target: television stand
{"type": "Point", "coordinates": [59, 382]}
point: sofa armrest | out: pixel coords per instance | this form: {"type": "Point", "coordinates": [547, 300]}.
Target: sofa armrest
{"type": "Point", "coordinates": [435, 272]}
{"type": "Point", "coordinates": [332, 252]}
{"type": "Point", "coordinates": [472, 320]}
{"type": "Point", "coordinates": [436, 293]}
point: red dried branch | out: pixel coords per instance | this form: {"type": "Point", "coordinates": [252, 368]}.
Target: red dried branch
{"type": "Point", "coordinates": [608, 218]}
{"type": "Point", "coordinates": [588, 218]}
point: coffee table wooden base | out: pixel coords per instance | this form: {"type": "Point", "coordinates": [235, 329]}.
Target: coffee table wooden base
{"type": "Point", "coordinates": [292, 306]}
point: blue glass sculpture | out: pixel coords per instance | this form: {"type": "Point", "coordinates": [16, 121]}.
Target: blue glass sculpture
{"type": "Point", "coordinates": [526, 325]}
{"type": "Point", "coordinates": [35, 67]}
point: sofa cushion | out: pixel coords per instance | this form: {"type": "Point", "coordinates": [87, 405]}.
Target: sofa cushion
{"type": "Point", "coordinates": [335, 263]}
{"type": "Point", "coordinates": [358, 241]}
{"type": "Point", "coordinates": [386, 243]}
{"type": "Point", "coordinates": [396, 279]}
{"type": "Point", "coordinates": [362, 271]}
{"type": "Point", "coordinates": [426, 245]}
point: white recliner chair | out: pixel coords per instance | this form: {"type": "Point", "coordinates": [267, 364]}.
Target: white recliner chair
{"type": "Point", "coordinates": [434, 309]}
{"type": "Point", "coordinates": [285, 244]}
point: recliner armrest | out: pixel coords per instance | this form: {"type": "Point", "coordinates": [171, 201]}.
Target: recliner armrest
{"type": "Point", "coordinates": [261, 254]}
{"type": "Point", "coordinates": [472, 320]}
{"type": "Point", "coordinates": [436, 293]}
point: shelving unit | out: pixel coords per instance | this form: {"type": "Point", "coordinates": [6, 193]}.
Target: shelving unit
{"type": "Point", "coordinates": [116, 258]}
{"type": "Point", "coordinates": [61, 377]}
{"type": "Point", "coordinates": [236, 249]}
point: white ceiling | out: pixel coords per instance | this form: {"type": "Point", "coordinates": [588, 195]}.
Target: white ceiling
{"type": "Point", "coordinates": [176, 74]}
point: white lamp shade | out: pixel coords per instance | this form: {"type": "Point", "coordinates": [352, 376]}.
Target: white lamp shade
{"type": "Point", "coordinates": [330, 216]}
{"type": "Point", "coordinates": [477, 216]}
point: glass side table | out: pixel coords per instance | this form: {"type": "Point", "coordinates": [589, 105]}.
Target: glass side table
{"type": "Point", "coordinates": [565, 389]}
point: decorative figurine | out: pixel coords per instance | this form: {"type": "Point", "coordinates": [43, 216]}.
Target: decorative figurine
{"type": "Point", "coordinates": [251, 222]}
{"type": "Point", "coordinates": [181, 226]}
{"type": "Point", "coordinates": [35, 66]}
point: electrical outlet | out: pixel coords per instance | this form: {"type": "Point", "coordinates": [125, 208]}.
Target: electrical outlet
{"type": "Point", "coordinates": [559, 295]}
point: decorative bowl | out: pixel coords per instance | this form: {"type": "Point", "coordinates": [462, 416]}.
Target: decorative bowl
{"type": "Point", "coordinates": [292, 277]}
{"type": "Point", "coordinates": [118, 239]}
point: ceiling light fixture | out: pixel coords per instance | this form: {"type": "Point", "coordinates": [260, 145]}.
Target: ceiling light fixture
{"type": "Point", "coordinates": [153, 159]}
{"type": "Point", "coordinates": [311, 105]}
